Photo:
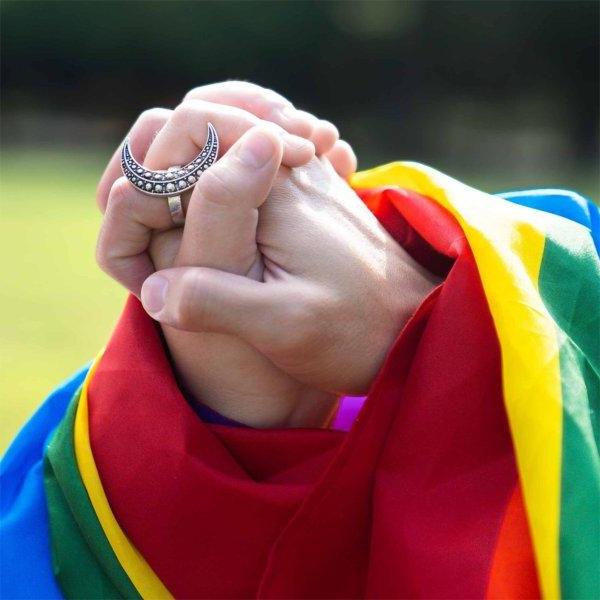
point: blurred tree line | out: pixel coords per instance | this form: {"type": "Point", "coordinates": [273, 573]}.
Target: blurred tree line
{"type": "Point", "coordinates": [473, 85]}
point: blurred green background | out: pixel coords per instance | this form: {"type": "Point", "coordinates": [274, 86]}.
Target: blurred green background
{"type": "Point", "coordinates": [501, 94]}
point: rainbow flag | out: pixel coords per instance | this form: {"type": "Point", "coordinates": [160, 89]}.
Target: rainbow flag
{"type": "Point", "coordinates": [75, 519]}
{"type": "Point", "coordinates": [541, 277]}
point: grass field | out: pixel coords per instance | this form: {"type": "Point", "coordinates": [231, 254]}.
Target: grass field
{"type": "Point", "coordinates": [58, 308]}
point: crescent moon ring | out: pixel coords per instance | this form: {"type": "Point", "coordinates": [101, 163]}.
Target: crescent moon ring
{"type": "Point", "coordinates": [175, 180]}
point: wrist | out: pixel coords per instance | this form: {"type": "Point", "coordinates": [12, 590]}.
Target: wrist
{"type": "Point", "coordinates": [228, 376]}
{"type": "Point", "coordinates": [406, 286]}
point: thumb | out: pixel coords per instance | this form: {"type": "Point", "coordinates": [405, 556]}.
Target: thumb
{"type": "Point", "coordinates": [220, 228]}
{"type": "Point", "coordinates": [202, 299]}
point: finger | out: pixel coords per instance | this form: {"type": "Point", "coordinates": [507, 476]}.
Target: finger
{"type": "Point", "coordinates": [141, 134]}
{"type": "Point", "coordinates": [206, 300]}
{"type": "Point", "coordinates": [221, 221]}
{"type": "Point", "coordinates": [185, 133]}
{"type": "Point", "coordinates": [342, 159]}
{"type": "Point", "coordinates": [127, 226]}
{"type": "Point", "coordinates": [262, 102]}
{"type": "Point", "coordinates": [270, 106]}
{"type": "Point", "coordinates": [324, 134]}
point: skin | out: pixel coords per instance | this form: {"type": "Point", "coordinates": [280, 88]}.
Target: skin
{"type": "Point", "coordinates": [283, 290]}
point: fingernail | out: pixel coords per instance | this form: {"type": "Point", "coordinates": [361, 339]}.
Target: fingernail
{"type": "Point", "coordinates": [154, 293]}
{"type": "Point", "coordinates": [257, 151]}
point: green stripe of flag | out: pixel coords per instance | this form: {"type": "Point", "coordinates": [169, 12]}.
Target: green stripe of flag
{"type": "Point", "coordinates": [83, 560]}
{"type": "Point", "coordinates": [569, 283]}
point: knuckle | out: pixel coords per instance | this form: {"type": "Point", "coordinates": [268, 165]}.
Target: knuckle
{"type": "Point", "coordinates": [101, 195]}
{"type": "Point", "coordinates": [189, 110]}
{"type": "Point", "coordinates": [102, 255]}
{"type": "Point", "coordinates": [262, 96]}
{"type": "Point", "coordinates": [256, 104]}
{"type": "Point", "coordinates": [200, 91]}
{"type": "Point", "coordinates": [242, 87]}
{"type": "Point", "coordinates": [273, 97]}
{"type": "Point", "coordinates": [257, 99]}
{"type": "Point", "coordinates": [276, 99]}
{"type": "Point", "coordinates": [195, 92]}
{"type": "Point", "coordinates": [271, 110]}
{"type": "Point", "coordinates": [299, 319]}
{"type": "Point", "coordinates": [153, 115]}
{"type": "Point", "coordinates": [120, 198]}
{"type": "Point", "coordinates": [195, 110]}
{"type": "Point", "coordinates": [266, 104]}
{"type": "Point", "coordinates": [190, 310]}
{"type": "Point", "coordinates": [185, 110]}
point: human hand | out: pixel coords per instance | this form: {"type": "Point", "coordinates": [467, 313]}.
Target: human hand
{"type": "Point", "coordinates": [328, 299]}
{"type": "Point", "coordinates": [137, 235]}
{"type": "Point", "coordinates": [129, 247]}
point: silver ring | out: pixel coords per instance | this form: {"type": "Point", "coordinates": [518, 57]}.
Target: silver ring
{"type": "Point", "coordinates": [176, 210]}
{"type": "Point", "coordinates": [175, 179]}
{"type": "Point", "coordinates": [175, 204]}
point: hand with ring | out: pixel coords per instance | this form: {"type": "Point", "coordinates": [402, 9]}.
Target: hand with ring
{"type": "Point", "coordinates": [277, 291]}
{"type": "Point", "coordinates": [161, 138]}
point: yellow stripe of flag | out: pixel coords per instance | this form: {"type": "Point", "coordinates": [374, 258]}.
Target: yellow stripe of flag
{"type": "Point", "coordinates": [507, 242]}
{"type": "Point", "coordinates": [138, 570]}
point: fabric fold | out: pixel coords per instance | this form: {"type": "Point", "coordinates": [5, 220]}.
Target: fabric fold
{"type": "Point", "coordinates": [471, 470]}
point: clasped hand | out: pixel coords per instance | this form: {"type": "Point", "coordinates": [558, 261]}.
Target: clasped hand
{"type": "Point", "coordinates": [283, 290]}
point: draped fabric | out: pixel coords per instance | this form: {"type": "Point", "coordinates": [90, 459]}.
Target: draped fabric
{"type": "Point", "coordinates": [25, 562]}
{"type": "Point", "coordinates": [541, 278]}
{"type": "Point", "coordinates": [470, 471]}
